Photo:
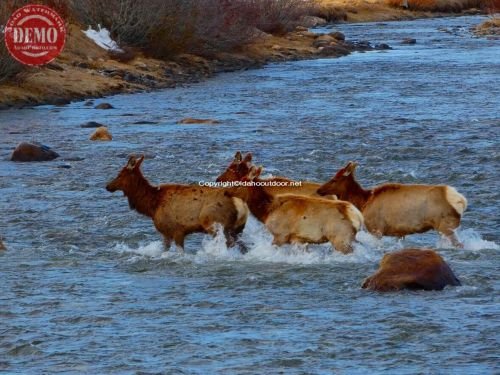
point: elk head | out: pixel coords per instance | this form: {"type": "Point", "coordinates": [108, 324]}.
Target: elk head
{"type": "Point", "coordinates": [128, 176]}
{"type": "Point", "coordinates": [238, 168]}
{"type": "Point", "coordinates": [341, 183]}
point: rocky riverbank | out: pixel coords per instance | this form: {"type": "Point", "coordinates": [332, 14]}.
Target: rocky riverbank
{"type": "Point", "coordinates": [85, 70]}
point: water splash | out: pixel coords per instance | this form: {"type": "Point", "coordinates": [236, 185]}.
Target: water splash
{"type": "Point", "coordinates": [470, 239]}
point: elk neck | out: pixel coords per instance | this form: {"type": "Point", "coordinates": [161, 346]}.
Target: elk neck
{"type": "Point", "coordinates": [142, 196]}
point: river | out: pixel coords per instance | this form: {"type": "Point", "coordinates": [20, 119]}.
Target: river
{"type": "Point", "coordinates": [86, 287]}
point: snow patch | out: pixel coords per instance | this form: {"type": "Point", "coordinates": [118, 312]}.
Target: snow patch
{"type": "Point", "coordinates": [102, 38]}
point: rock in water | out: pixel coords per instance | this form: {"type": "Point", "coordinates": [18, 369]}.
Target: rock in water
{"type": "Point", "coordinates": [411, 269]}
{"type": "Point", "coordinates": [190, 120]}
{"type": "Point", "coordinates": [25, 152]}
{"type": "Point", "coordinates": [101, 134]}
{"type": "Point", "coordinates": [104, 106]}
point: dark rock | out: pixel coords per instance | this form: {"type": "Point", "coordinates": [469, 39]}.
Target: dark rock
{"type": "Point", "coordinates": [145, 122]}
{"type": "Point", "coordinates": [88, 103]}
{"type": "Point", "coordinates": [411, 269]}
{"type": "Point", "coordinates": [334, 50]}
{"type": "Point", "coordinates": [104, 106]}
{"type": "Point", "coordinates": [409, 41]}
{"type": "Point", "coordinates": [383, 46]}
{"type": "Point", "coordinates": [59, 101]}
{"type": "Point", "coordinates": [2, 246]}
{"type": "Point", "coordinates": [337, 35]}
{"type": "Point", "coordinates": [91, 124]}
{"type": "Point", "coordinates": [25, 152]}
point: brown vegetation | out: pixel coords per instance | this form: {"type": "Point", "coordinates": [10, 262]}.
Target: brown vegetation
{"type": "Point", "coordinates": [398, 209]}
{"type": "Point", "coordinates": [179, 210]}
{"type": "Point", "coordinates": [411, 269]}
{"type": "Point", "coordinates": [439, 5]}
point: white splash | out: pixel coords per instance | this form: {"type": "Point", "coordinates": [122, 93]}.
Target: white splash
{"type": "Point", "coordinates": [102, 38]}
{"type": "Point", "coordinates": [471, 240]}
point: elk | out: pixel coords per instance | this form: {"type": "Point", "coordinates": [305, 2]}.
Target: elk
{"type": "Point", "coordinates": [293, 218]}
{"type": "Point", "coordinates": [179, 210]}
{"type": "Point", "coordinates": [394, 209]}
{"type": "Point", "coordinates": [240, 167]}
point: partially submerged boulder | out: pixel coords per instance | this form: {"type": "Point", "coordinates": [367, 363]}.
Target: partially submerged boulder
{"type": "Point", "coordinates": [2, 246]}
{"type": "Point", "coordinates": [101, 134]}
{"type": "Point", "coordinates": [190, 120]}
{"type": "Point", "coordinates": [26, 151]}
{"type": "Point", "coordinates": [104, 106]}
{"type": "Point", "coordinates": [409, 41]}
{"type": "Point", "coordinates": [411, 269]}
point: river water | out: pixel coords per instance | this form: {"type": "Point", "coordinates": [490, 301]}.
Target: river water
{"type": "Point", "coordinates": [86, 287]}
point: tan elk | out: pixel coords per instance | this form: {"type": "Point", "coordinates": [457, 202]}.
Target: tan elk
{"type": "Point", "coordinates": [179, 210]}
{"type": "Point", "coordinates": [398, 209]}
{"type": "Point", "coordinates": [240, 167]}
{"type": "Point", "coordinates": [293, 218]}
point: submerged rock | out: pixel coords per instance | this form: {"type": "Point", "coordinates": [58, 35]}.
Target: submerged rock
{"type": "Point", "coordinates": [91, 124]}
{"type": "Point", "coordinates": [26, 152]}
{"type": "Point", "coordinates": [411, 269]}
{"type": "Point", "coordinates": [2, 246]}
{"type": "Point", "coordinates": [190, 120]}
{"type": "Point", "coordinates": [409, 41]}
{"type": "Point", "coordinates": [101, 134]}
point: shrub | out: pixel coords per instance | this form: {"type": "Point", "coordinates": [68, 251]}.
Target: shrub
{"type": "Point", "coordinates": [8, 66]}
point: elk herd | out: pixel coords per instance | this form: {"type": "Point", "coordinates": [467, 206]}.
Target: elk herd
{"type": "Point", "coordinates": [305, 213]}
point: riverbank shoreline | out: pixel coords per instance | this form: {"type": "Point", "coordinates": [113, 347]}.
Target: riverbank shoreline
{"type": "Point", "coordinates": [86, 71]}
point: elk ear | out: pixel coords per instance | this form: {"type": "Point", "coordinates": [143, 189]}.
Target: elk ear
{"type": "Point", "coordinates": [237, 157]}
{"type": "Point", "coordinates": [139, 161]}
{"type": "Point", "coordinates": [349, 168]}
{"type": "Point", "coordinates": [248, 157]}
{"type": "Point", "coordinates": [132, 161]}
{"type": "Point", "coordinates": [254, 173]}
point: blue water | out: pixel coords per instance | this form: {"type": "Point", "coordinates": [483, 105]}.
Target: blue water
{"type": "Point", "coordinates": [86, 287]}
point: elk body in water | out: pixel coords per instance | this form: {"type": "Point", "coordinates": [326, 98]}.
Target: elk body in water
{"type": "Point", "coordinates": [399, 209]}
{"type": "Point", "coordinates": [293, 218]}
{"type": "Point", "coordinates": [179, 210]}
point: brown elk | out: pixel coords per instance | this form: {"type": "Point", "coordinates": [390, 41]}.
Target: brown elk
{"type": "Point", "coordinates": [240, 167]}
{"type": "Point", "coordinates": [397, 209]}
{"type": "Point", "coordinates": [293, 218]}
{"type": "Point", "coordinates": [179, 210]}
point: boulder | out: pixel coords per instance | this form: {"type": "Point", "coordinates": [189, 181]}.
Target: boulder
{"type": "Point", "coordinates": [2, 246]}
{"type": "Point", "coordinates": [104, 106]}
{"type": "Point", "coordinates": [382, 46]}
{"type": "Point", "coordinates": [409, 41]}
{"type": "Point", "coordinates": [411, 269]}
{"type": "Point", "coordinates": [337, 35]}
{"type": "Point", "coordinates": [101, 134]}
{"type": "Point", "coordinates": [334, 50]}
{"type": "Point", "coordinates": [322, 41]}
{"type": "Point", "coordinates": [26, 151]}
{"type": "Point", "coordinates": [312, 21]}
{"type": "Point", "coordinates": [88, 103]}
{"type": "Point", "coordinates": [190, 120]}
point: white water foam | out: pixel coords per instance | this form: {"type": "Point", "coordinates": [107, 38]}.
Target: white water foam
{"type": "Point", "coordinates": [471, 240]}
{"type": "Point", "coordinates": [367, 249]}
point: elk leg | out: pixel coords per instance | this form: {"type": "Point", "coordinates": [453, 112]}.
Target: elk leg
{"type": "Point", "coordinates": [167, 242]}
{"type": "Point", "coordinates": [342, 244]}
{"type": "Point", "coordinates": [280, 240]}
{"type": "Point", "coordinates": [179, 240]}
{"type": "Point", "coordinates": [447, 229]}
